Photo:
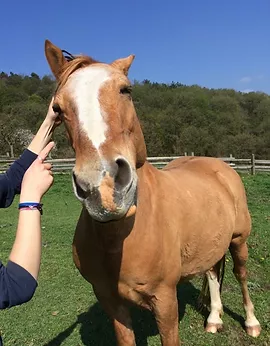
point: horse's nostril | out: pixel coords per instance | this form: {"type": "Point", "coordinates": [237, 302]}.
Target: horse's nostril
{"type": "Point", "coordinates": [80, 192]}
{"type": "Point", "coordinates": [123, 176]}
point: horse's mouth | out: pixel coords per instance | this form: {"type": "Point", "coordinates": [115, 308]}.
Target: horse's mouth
{"type": "Point", "coordinates": [104, 203]}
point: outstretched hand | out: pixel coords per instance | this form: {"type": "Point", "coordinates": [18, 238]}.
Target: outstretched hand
{"type": "Point", "coordinates": [38, 178]}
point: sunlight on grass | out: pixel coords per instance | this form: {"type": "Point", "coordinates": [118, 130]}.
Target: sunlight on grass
{"type": "Point", "coordinates": [64, 309]}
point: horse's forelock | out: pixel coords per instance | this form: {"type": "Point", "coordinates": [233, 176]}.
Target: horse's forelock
{"type": "Point", "coordinates": [72, 66]}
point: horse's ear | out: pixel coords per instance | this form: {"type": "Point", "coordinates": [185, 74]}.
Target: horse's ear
{"type": "Point", "coordinates": [123, 64]}
{"type": "Point", "coordinates": [55, 58]}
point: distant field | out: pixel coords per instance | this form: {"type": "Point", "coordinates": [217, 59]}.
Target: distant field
{"type": "Point", "coordinates": [64, 310]}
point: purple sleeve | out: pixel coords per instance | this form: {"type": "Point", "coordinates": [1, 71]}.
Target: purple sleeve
{"type": "Point", "coordinates": [17, 285]}
{"type": "Point", "coordinates": [10, 182]}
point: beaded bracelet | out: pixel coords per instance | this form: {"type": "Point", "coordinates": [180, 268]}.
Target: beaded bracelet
{"type": "Point", "coordinates": [31, 206]}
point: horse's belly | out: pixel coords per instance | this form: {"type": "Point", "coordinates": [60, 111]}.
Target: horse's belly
{"type": "Point", "coordinates": [204, 255]}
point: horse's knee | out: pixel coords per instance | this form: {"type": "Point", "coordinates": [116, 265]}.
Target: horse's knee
{"type": "Point", "coordinates": [240, 273]}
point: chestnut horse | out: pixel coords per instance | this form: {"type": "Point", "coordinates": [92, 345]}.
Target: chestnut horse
{"type": "Point", "coordinates": [142, 230]}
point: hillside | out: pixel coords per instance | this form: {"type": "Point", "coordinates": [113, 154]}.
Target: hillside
{"type": "Point", "coordinates": [175, 118]}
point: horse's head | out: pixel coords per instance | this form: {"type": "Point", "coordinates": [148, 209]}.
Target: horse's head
{"type": "Point", "coordinates": [94, 102]}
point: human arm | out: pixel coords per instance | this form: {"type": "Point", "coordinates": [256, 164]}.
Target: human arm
{"type": "Point", "coordinates": [10, 182]}
{"type": "Point", "coordinates": [45, 131]}
{"type": "Point", "coordinates": [18, 278]}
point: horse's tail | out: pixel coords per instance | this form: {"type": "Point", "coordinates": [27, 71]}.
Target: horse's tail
{"type": "Point", "coordinates": [204, 297]}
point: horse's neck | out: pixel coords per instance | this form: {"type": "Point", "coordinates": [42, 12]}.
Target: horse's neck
{"type": "Point", "coordinates": [112, 234]}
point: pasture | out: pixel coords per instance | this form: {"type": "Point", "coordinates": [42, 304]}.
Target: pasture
{"type": "Point", "coordinates": [64, 310]}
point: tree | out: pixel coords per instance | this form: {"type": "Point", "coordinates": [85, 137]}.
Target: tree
{"type": "Point", "coordinates": [10, 134]}
{"type": "Point", "coordinates": [175, 118]}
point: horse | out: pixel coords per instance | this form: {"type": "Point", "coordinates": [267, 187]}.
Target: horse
{"type": "Point", "coordinates": [142, 230]}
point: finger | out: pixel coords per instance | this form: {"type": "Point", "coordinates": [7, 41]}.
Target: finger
{"type": "Point", "coordinates": [47, 166]}
{"type": "Point", "coordinates": [45, 152]}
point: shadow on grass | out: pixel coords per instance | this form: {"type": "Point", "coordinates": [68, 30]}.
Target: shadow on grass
{"type": "Point", "coordinates": [96, 328]}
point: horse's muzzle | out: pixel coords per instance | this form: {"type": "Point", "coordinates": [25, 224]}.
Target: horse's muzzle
{"type": "Point", "coordinates": [109, 193]}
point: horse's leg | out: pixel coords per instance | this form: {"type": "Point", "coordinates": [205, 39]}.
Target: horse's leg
{"type": "Point", "coordinates": [123, 326]}
{"type": "Point", "coordinates": [239, 252]}
{"type": "Point", "coordinates": [165, 308]}
{"type": "Point", "coordinates": [214, 322]}
{"type": "Point", "coordinates": [119, 313]}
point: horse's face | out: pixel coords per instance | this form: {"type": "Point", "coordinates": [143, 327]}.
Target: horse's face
{"type": "Point", "coordinates": [96, 106]}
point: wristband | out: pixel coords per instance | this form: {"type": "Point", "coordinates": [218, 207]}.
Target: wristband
{"type": "Point", "coordinates": [31, 206]}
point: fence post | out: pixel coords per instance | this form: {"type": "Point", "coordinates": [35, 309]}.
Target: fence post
{"type": "Point", "coordinates": [253, 164]}
{"type": "Point", "coordinates": [231, 157]}
{"type": "Point", "coordinates": [11, 150]}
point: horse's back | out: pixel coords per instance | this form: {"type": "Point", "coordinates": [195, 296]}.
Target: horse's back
{"type": "Point", "coordinates": [217, 204]}
{"type": "Point", "coordinates": [200, 164]}
{"type": "Point", "coordinates": [212, 168]}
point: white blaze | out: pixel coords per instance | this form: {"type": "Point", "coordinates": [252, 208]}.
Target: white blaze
{"type": "Point", "coordinates": [85, 85]}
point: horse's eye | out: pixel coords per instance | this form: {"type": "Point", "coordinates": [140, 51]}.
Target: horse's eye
{"type": "Point", "coordinates": [56, 108]}
{"type": "Point", "coordinates": [126, 90]}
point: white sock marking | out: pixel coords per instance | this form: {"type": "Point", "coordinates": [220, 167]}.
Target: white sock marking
{"type": "Point", "coordinates": [216, 305]}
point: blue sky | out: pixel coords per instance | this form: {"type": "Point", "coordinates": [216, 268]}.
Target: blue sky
{"type": "Point", "coordinates": [217, 44]}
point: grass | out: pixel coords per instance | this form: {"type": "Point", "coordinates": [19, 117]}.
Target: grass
{"type": "Point", "coordinates": [64, 310]}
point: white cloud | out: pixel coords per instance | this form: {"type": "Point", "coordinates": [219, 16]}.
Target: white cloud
{"type": "Point", "coordinates": [246, 79]}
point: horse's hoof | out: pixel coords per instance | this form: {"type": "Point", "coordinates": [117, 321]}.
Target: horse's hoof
{"type": "Point", "coordinates": [213, 327]}
{"type": "Point", "coordinates": [254, 331]}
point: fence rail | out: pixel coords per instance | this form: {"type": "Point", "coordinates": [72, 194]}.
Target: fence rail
{"type": "Point", "coordinates": [244, 165]}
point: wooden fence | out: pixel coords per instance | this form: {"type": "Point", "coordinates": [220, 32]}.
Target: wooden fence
{"type": "Point", "coordinates": [250, 165]}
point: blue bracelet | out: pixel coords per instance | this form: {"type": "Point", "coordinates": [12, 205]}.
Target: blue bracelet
{"type": "Point", "coordinates": [31, 206]}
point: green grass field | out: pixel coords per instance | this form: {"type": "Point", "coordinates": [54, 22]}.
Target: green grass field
{"type": "Point", "coordinates": [64, 310]}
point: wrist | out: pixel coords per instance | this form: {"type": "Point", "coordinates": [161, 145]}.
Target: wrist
{"type": "Point", "coordinates": [31, 206]}
{"type": "Point", "coordinates": [42, 137]}
{"type": "Point", "coordinates": [30, 197]}
{"type": "Point", "coordinates": [48, 122]}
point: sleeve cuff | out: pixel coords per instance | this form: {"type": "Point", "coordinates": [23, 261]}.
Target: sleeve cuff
{"type": "Point", "coordinates": [26, 159]}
